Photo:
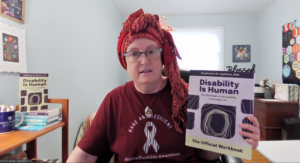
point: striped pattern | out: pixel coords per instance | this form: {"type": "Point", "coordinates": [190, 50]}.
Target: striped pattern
{"type": "Point", "coordinates": [296, 93]}
{"type": "Point", "coordinates": [150, 137]}
{"type": "Point", "coordinates": [84, 127]}
{"type": "Point", "coordinates": [193, 102]}
{"type": "Point", "coordinates": [247, 106]}
{"type": "Point", "coordinates": [246, 121]}
{"type": "Point", "coordinates": [291, 92]}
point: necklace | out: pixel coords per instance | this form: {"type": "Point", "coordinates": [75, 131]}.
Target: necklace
{"type": "Point", "coordinates": [148, 110]}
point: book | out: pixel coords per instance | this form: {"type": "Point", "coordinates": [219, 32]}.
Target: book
{"type": "Point", "coordinates": [33, 92]}
{"type": "Point", "coordinates": [36, 128]}
{"type": "Point", "coordinates": [34, 116]}
{"type": "Point", "coordinates": [47, 112]}
{"type": "Point", "coordinates": [37, 123]}
{"type": "Point", "coordinates": [40, 120]}
{"type": "Point", "coordinates": [37, 116]}
{"type": "Point", "coordinates": [218, 102]}
{"type": "Point", "coordinates": [287, 92]}
{"type": "Point", "coordinates": [282, 92]}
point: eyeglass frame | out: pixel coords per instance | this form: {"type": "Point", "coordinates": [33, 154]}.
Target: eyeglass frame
{"type": "Point", "coordinates": [141, 53]}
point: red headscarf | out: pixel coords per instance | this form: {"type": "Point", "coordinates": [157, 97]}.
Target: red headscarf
{"type": "Point", "coordinates": [140, 25]}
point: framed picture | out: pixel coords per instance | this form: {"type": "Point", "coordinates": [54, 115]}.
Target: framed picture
{"type": "Point", "coordinates": [13, 10]}
{"type": "Point", "coordinates": [241, 53]}
{"type": "Point", "coordinates": [12, 49]}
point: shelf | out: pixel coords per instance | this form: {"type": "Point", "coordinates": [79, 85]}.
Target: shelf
{"type": "Point", "coordinates": [15, 139]}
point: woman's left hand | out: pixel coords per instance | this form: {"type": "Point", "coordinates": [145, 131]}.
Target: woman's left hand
{"type": "Point", "coordinates": [253, 137]}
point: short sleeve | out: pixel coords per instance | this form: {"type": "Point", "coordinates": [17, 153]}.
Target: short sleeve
{"type": "Point", "coordinates": [95, 141]}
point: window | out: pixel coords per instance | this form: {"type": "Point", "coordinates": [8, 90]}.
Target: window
{"type": "Point", "coordinates": [200, 48]}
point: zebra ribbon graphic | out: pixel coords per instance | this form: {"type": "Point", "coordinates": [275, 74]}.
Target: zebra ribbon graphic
{"type": "Point", "coordinates": [150, 137]}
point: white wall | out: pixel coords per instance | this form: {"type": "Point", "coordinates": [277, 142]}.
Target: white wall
{"type": "Point", "coordinates": [238, 30]}
{"type": "Point", "coordinates": [76, 43]}
{"type": "Point", "coordinates": [270, 22]}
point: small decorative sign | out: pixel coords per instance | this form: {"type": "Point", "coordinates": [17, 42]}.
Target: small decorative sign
{"type": "Point", "coordinates": [241, 53]}
{"type": "Point", "coordinates": [236, 69]}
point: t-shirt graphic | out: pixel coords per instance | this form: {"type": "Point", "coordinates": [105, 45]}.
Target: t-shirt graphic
{"type": "Point", "coordinates": [150, 137]}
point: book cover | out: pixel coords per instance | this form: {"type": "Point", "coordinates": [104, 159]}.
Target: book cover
{"type": "Point", "coordinates": [40, 120]}
{"type": "Point", "coordinates": [33, 91]}
{"type": "Point", "coordinates": [218, 102]}
{"type": "Point", "coordinates": [293, 92]}
{"type": "Point", "coordinates": [36, 128]}
{"type": "Point", "coordinates": [282, 92]}
{"type": "Point", "coordinates": [296, 93]}
{"type": "Point", "coordinates": [47, 112]}
{"type": "Point", "coordinates": [287, 92]}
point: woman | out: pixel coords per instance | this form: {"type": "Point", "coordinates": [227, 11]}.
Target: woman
{"type": "Point", "coordinates": [121, 125]}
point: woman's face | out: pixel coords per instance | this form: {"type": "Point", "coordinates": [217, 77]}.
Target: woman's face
{"type": "Point", "coordinates": [144, 71]}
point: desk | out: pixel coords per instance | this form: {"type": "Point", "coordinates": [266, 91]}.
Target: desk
{"type": "Point", "coordinates": [270, 113]}
{"type": "Point", "coordinates": [256, 158]}
{"type": "Point", "coordinates": [15, 139]}
{"type": "Point", "coordinates": [280, 151]}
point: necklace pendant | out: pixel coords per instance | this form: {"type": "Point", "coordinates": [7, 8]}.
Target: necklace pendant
{"type": "Point", "coordinates": [148, 112]}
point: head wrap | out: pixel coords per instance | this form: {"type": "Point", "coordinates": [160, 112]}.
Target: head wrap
{"type": "Point", "coordinates": [140, 25]}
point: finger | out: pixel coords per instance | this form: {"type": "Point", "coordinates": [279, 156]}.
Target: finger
{"type": "Point", "coordinates": [254, 121]}
{"type": "Point", "coordinates": [253, 143]}
{"type": "Point", "coordinates": [251, 128]}
{"type": "Point", "coordinates": [255, 137]}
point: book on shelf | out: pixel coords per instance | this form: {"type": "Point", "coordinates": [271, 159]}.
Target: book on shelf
{"type": "Point", "coordinates": [37, 123]}
{"type": "Point", "coordinates": [218, 102]}
{"type": "Point", "coordinates": [33, 91]}
{"type": "Point", "coordinates": [37, 116]}
{"type": "Point", "coordinates": [47, 112]}
{"type": "Point", "coordinates": [36, 128]}
{"type": "Point", "coordinates": [40, 120]}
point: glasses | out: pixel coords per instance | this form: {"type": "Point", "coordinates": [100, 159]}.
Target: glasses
{"type": "Point", "coordinates": [134, 56]}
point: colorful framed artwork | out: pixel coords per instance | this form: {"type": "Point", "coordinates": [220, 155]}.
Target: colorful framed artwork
{"type": "Point", "coordinates": [241, 53]}
{"type": "Point", "coordinates": [290, 52]}
{"type": "Point", "coordinates": [13, 10]}
{"type": "Point", "coordinates": [12, 49]}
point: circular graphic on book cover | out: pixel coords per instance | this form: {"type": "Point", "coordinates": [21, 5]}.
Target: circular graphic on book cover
{"type": "Point", "coordinates": [218, 120]}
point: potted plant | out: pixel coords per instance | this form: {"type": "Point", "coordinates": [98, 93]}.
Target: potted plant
{"type": "Point", "coordinates": [269, 87]}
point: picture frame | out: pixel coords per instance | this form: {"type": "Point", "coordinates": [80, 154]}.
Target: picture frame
{"type": "Point", "coordinates": [241, 53]}
{"type": "Point", "coordinates": [12, 49]}
{"type": "Point", "coordinates": [13, 10]}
